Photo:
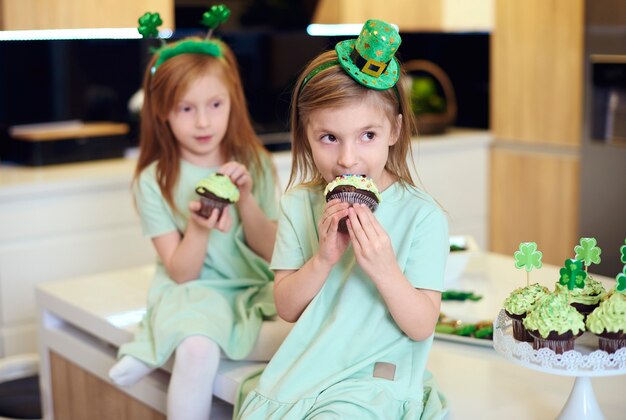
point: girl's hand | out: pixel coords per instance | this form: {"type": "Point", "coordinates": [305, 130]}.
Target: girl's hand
{"type": "Point", "coordinates": [332, 243]}
{"type": "Point", "coordinates": [371, 244]}
{"type": "Point", "coordinates": [240, 176]}
{"type": "Point", "coordinates": [221, 222]}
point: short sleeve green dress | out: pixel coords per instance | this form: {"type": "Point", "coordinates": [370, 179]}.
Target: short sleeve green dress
{"type": "Point", "coordinates": [345, 357]}
{"type": "Point", "coordinates": [234, 292]}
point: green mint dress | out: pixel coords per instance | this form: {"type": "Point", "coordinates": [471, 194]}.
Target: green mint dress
{"type": "Point", "coordinates": [345, 357]}
{"type": "Point", "coordinates": [234, 292]}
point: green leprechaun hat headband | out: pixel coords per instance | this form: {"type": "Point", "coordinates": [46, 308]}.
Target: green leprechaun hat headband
{"type": "Point", "coordinates": [216, 15]}
{"type": "Point", "coordinates": [369, 59]}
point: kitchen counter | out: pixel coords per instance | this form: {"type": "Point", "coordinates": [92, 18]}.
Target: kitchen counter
{"type": "Point", "coordinates": [85, 319]}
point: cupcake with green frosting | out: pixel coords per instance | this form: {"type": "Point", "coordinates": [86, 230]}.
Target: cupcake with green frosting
{"type": "Point", "coordinates": [353, 189]}
{"type": "Point", "coordinates": [216, 192]}
{"type": "Point", "coordinates": [608, 322]}
{"type": "Point", "coordinates": [585, 299]}
{"type": "Point", "coordinates": [519, 303]}
{"type": "Point", "coordinates": [554, 323]}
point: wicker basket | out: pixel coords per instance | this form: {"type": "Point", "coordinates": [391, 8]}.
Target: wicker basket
{"type": "Point", "coordinates": [431, 123]}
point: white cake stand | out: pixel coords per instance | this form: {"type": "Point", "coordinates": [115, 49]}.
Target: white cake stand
{"type": "Point", "coordinates": [583, 362]}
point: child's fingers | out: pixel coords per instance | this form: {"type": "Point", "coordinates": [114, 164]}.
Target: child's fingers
{"type": "Point", "coordinates": [334, 207]}
{"type": "Point", "coordinates": [360, 226]}
{"type": "Point", "coordinates": [356, 244]}
{"type": "Point", "coordinates": [225, 222]}
{"type": "Point", "coordinates": [194, 206]}
{"type": "Point", "coordinates": [213, 218]}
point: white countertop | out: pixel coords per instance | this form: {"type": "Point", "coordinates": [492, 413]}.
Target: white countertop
{"type": "Point", "coordinates": [12, 176]}
{"type": "Point", "coordinates": [478, 382]}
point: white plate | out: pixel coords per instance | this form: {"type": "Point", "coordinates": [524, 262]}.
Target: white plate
{"type": "Point", "coordinates": [464, 340]}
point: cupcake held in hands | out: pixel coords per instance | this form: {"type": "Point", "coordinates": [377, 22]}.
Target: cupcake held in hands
{"type": "Point", "coordinates": [216, 191]}
{"type": "Point", "coordinates": [353, 189]}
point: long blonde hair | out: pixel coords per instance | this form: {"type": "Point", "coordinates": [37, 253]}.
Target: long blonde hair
{"type": "Point", "coordinates": [164, 89]}
{"type": "Point", "coordinates": [333, 87]}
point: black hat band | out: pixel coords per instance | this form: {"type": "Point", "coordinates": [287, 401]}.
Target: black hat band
{"type": "Point", "coordinates": [370, 67]}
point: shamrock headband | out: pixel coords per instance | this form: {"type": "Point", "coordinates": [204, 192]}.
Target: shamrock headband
{"type": "Point", "coordinates": [369, 59]}
{"type": "Point", "coordinates": [216, 15]}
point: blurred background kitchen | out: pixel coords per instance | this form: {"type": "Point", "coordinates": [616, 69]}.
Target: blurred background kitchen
{"type": "Point", "coordinates": [542, 82]}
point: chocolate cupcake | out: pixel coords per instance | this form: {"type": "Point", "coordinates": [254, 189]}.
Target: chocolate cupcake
{"type": "Point", "coordinates": [353, 189]}
{"type": "Point", "coordinates": [554, 324]}
{"type": "Point", "coordinates": [518, 304]}
{"type": "Point", "coordinates": [608, 322]}
{"type": "Point", "coordinates": [584, 299]}
{"type": "Point", "coordinates": [216, 192]}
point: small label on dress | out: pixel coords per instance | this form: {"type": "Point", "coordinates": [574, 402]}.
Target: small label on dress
{"type": "Point", "coordinates": [385, 370]}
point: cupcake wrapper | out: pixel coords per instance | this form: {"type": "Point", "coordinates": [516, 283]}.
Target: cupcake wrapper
{"type": "Point", "coordinates": [354, 197]}
{"type": "Point", "coordinates": [559, 343]}
{"type": "Point", "coordinates": [611, 345]}
{"type": "Point", "coordinates": [520, 333]}
{"type": "Point", "coordinates": [558, 346]}
{"type": "Point", "coordinates": [207, 206]}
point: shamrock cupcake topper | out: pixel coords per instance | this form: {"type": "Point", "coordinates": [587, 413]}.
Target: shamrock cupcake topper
{"type": "Point", "coordinates": [216, 15]}
{"type": "Point", "coordinates": [588, 252]}
{"type": "Point", "coordinates": [621, 281]}
{"type": "Point", "coordinates": [528, 257]}
{"type": "Point", "coordinates": [622, 250]}
{"type": "Point", "coordinates": [572, 274]}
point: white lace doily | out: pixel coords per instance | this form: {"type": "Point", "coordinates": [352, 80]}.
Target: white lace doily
{"type": "Point", "coordinates": [584, 360]}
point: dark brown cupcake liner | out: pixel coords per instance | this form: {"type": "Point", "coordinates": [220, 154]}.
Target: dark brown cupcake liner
{"type": "Point", "coordinates": [354, 197]}
{"type": "Point", "coordinates": [520, 333]}
{"type": "Point", "coordinates": [611, 342]}
{"type": "Point", "coordinates": [559, 343]}
{"type": "Point", "coordinates": [208, 204]}
{"type": "Point", "coordinates": [611, 345]}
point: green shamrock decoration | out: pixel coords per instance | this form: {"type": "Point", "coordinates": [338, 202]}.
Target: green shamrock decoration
{"type": "Point", "coordinates": [572, 274]}
{"type": "Point", "coordinates": [623, 252]}
{"type": "Point", "coordinates": [148, 24]}
{"type": "Point", "coordinates": [588, 252]}
{"type": "Point", "coordinates": [528, 257]}
{"type": "Point", "coordinates": [215, 16]}
{"type": "Point", "coordinates": [621, 280]}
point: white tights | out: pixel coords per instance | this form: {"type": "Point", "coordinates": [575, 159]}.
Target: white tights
{"type": "Point", "coordinates": [190, 391]}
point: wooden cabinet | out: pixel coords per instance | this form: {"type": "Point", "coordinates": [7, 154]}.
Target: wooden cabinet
{"type": "Point", "coordinates": [535, 199]}
{"type": "Point", "coordinates": [78, 394]}
{"type": "Point", "coordinates": [536, 119]}
{"type": "Point", "coordinates": [436, 15]}
{"type": "Point", "coordinates": [72, 14]}
{"type": "Point", "coordinates": [537, 66]}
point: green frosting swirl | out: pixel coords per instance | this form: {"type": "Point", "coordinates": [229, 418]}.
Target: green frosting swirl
{"type": "Point", "coordinates": [357, 181]}
{"type": "Point", "coordinates": [591, 294]}
{"type": "Point", "coordinates": [524, 299]}
{"type": "Point", "coordinates": [554, 313]}
{"type": "Point", "coordinates": [220, 185]}
{"type": "Point", "coordinates": [609, 316]}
